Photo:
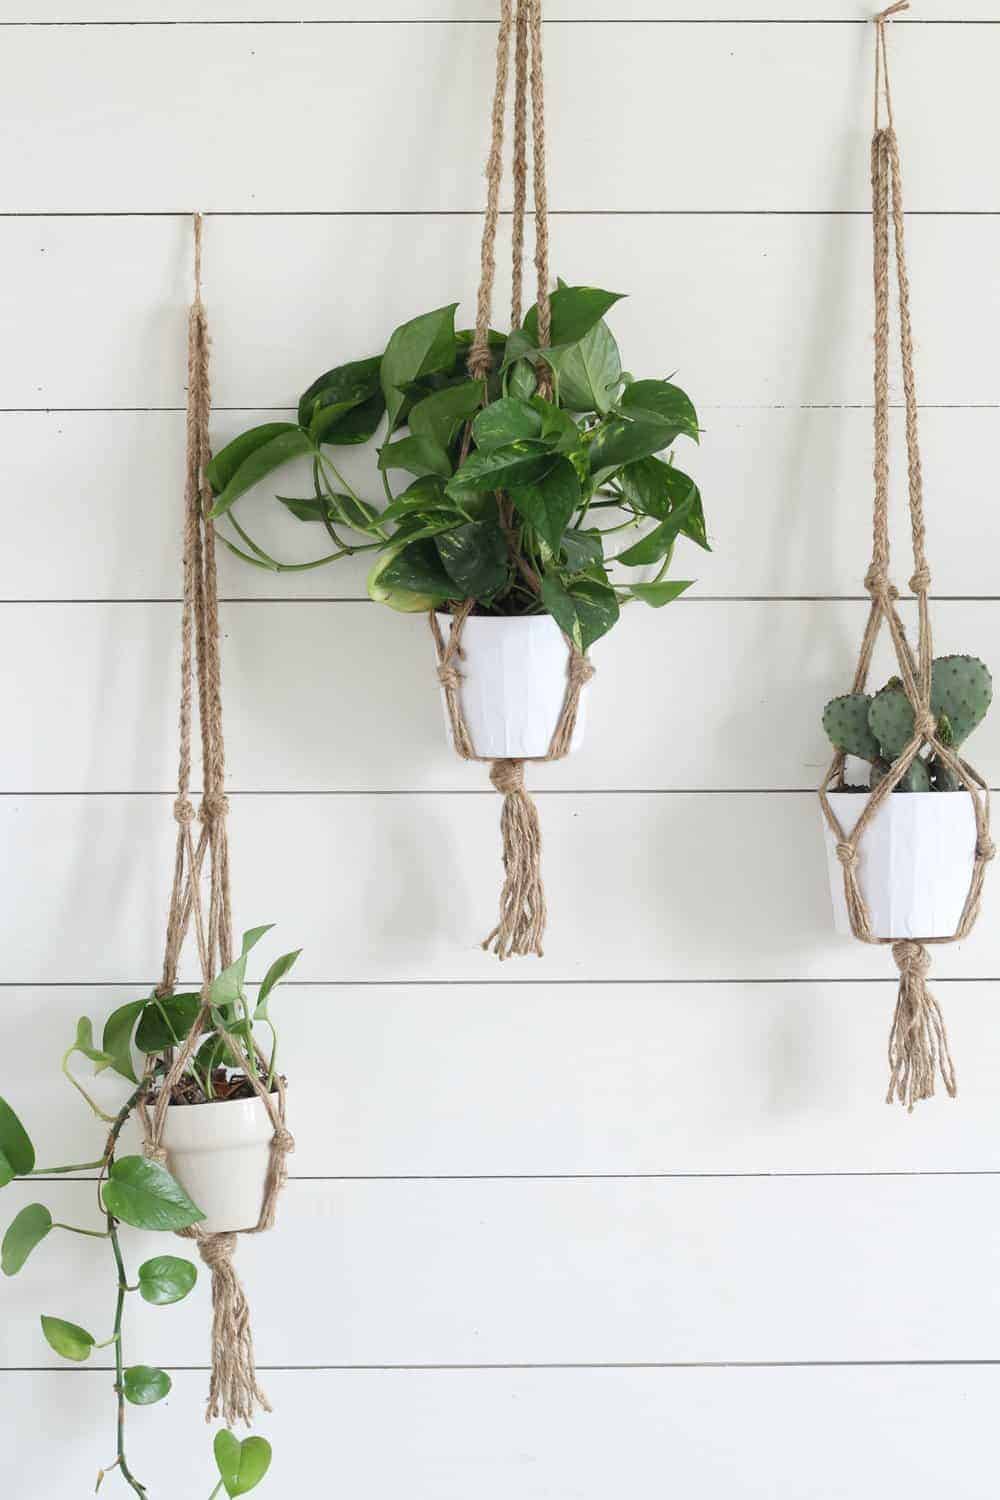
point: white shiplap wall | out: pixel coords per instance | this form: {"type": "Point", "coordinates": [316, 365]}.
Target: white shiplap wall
{"type": "Point", "coordinates": [632, 1219]}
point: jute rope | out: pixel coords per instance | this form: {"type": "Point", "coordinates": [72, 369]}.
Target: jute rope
{"type": "Point", "coordinates": [918, 1041]}
{"type": "Point", "coordinates": [233, 1391]}
{"type": "Point", "coordinates": [521, 923]}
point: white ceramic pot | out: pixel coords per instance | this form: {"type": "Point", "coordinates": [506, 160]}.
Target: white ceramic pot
{"type": "Point", "coordinates": [219, 1152]}
{"type": "Point", "coordinates": [915, 861]}
{"type": "Point", "coordinates": [514, 677]}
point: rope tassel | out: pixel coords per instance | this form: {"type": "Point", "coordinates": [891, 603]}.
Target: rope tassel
{"type": "Point", "coordinates": [918, 1040]}
{"type": "Point", "coordinates": [522, 899]}
{"type": "Point", "coordinates": [233, 1392]}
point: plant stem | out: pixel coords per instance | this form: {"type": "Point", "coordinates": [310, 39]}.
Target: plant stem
{"type": "Point", "coordinates": [218, 1487]}
{"type": "Point", "coordinates": [95, 1234]}
{"type": "Point", "coordinates": [77, 1166]}
{"type": "Point", "coordinates": [274, 1054]}
{"type": "Point", "coordinates": [112, 1233]}
{"type": "Point", "coordinates": [109, 1119]}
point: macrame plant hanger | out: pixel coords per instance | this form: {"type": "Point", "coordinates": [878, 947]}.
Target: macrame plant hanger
{"type": "Point", "coordinates": [521, 923]}
{"type": "Point", "coordinates": [918, 1041]}
{"type": "Point", "coordinates": [233, 1390]}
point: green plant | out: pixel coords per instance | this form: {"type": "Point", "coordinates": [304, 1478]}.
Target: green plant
{"type": "Point", "coordinates": [878, 729]}
{"type": "Point", "coordinates": [141, 1193]}
{"type": "Point", "coordinates": [509, 474]}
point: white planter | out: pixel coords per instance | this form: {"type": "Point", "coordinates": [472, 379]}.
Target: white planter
{"type": "Point", "coordinates": [219, 1152]}
{"type": "Point", "coordinates": [914, 861]}
{"type": "Point", "coordinates": [514, 678]}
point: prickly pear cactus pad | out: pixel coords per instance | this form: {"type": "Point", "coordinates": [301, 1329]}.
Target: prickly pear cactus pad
{"type": "Point", "coordinates": [845, 720]}
{"type": "Point", "coordinates": [891, 721]}
{"type": "Point", "coordinates": [961, 690]}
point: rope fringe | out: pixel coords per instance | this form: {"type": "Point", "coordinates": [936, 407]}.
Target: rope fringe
{"type": "Point", "coordinates": [918, 1040]}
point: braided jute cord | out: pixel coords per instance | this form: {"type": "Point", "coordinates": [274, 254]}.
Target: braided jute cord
{"type": "Point", "coordinates": [233, 1390]}
{"type": "Point", "coordinates": [918, 1041]}
{"type": "Point", "coordinates": [521, 925]}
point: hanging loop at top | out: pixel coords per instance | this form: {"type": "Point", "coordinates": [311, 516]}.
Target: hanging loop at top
{"type": "Point", "coordinates": [882, 60]}
{"type": "Point", "coordinates": [529, 79]}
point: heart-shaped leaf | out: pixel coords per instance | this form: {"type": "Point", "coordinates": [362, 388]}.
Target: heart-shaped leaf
{"type": "Point", "coordinates": [68, 1339]}
{"type": "Point", "coordinates": [242, 1465]}
{"type": "Point", "coordinates": [420, 347]}
{"type": "Point", "coordinates": [522, 462]}
{"type": "Point", "coordinates": [17, 1154]}
{"type": "Point", "coordinates": [143, 1193]}
{"type": "Point", "coordinates": [166, 1022]}
{"type": "Point", "coordinates": [658, 542]}
{"type": "Point", "coordinates": [143, 1385]}
{"type": "Point", "coordinates": [274, 976]}
{"type": "Point", "coordinates": [262, 458]}
{"type": "Point", "coordinates": [582, 608]}
{"type": "Point", "coordinates": [166, 1279]}
{"type": "Point", "coordinates": [116, 1042]}
{"type": "Point", "coordinates": [27, 1230]}
{"type": "Point", "coordinates": [417, 568]}
{"type": "Point", "coordinates": [667, 403]}
{"type": "Point", "coordinates": [504, 422]}
{"type": "Point", "coordinates": [441, 415]}
{"type": "Point", "coordinates": [658, 594]}
{"type": "Point", "coordinates": [589, 371]}
{"type": "Point", "coordinates": [549, 504]}
{"type": "Point", "coordinates": [340, 390]}
{"type": "Point", "coordinates": [574, 311]}
{"type": "Point", "coordinates": [85, 1043]}
{"type": "Point", "coordinates": [475, 556]}
{"type": "Point", "coordinates": [417, 455]}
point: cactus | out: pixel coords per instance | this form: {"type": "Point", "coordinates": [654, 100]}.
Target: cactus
{"type": "Point", "coordinates": [890, 719]}
{"type": "Point", "coordinates": [846, 722]}
{"type": "Point", "coordinates": [878, 729]}
{"type": "Point", "coordinates": [962, 690]}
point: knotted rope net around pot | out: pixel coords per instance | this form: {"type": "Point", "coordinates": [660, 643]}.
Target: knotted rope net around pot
{"type": "Point", "coordinates": [521, 924]}
{"type": "Point", "coordinates": [918, 1040]}
{"type": "Point", "coordinates": [233, 1391]}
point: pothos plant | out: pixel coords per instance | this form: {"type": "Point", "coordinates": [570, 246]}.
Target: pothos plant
{"type": "Point", "coordinates": [510, 475]}
{"type": "Point", "coordinates": [140, 1193]}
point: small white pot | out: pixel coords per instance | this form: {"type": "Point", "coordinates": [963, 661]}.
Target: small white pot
{"type": "Point", "coordinates": [915, 861]}
{"type": "Point", "coordinates": [219, 1152]}
{"type": "Point", "coordinates": [514, 679]}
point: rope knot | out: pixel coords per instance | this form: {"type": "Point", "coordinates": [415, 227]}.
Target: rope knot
{"type": "Point", "coordinates": [284, 1141]}
{"type": "Point", "coordinates": [152, 1151]}
{"type": "Point", "coordinates": [213, 805]}
{"type": "Point", "coordinates": [581, 669]}
{"type": "Point", "coordinates": [216, 1250]}
{"type": "Point", "coordinates": [449, 677]}
{"type": "Point", "coordinates": [878, 585]}
{"type": "Point", "coordinates": [848, 855]}
{"type": "Point", "coordinates": [183, 809]}
{"type": "Point", "coordinates": [912, 959]}
{"type": "Point", "coordinates": [507, 776]}
{"type": "Point", "coordinates": [985, 850]}
{"type": "Point", "coordinates": [480, 361]}
{"type": "Point", "coordinates": [921, 580]}
{"type": "Point", "coordinates": [925, 724]}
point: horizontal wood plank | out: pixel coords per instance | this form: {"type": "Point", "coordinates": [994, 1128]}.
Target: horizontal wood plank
{"type": "Point", "coordinates": [524, 1079]}
{"type": "Point", "coordinates": [221, 124]}
{"type": "Point", "coordinates": [680, 701]}
{"type": "Point", "coordinates": [750, 311]}
{"type": "Point", "coordinates": [639, 886]}
{"type": "Point", "coordinates": [565, 1272]}
{"type": "Point", "coordinates": [787, 494]}
{"type": "Point", "coordinates": [578, 1434]}
{"type": "Point", "coordinates": [341, 12]}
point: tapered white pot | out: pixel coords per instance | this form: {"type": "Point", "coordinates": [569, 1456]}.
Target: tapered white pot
{"type": "Point", "coordinates": [514, 679]}
{"type": "Point", "coordinates": [915, 861]}
{"type": "Point", "coordinates": [219, 1152]}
